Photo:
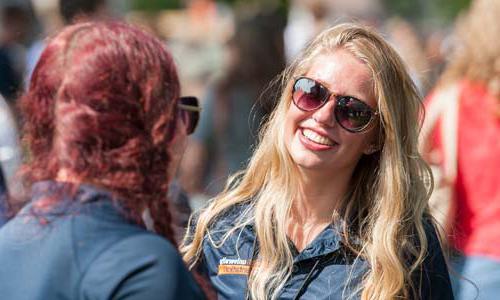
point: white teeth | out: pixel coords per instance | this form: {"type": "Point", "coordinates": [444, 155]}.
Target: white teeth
{"type": "Point", "coordinates": [313, 136]}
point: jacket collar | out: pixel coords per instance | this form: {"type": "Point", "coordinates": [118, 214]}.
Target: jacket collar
{"type": "Point", "coordinates": [72, 199]}
{"type": "Point", "coordinates": [327, 242]}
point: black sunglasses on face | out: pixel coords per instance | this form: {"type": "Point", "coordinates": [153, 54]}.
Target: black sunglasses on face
{"type": "Point", "coordinates": [351, 114]}
{"type": "Point", "coordinates": [188, 109]}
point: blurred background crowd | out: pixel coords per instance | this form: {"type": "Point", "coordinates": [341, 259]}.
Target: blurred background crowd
{"type": "Point", "coordinates": [227, 53]}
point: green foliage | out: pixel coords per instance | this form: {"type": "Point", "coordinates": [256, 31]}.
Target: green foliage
{"type": "Point", "coordinates": [444, 10]}
{"type": "Point", "coordinates": [449, 9]}
{"type": "Point", "coordinates": [411, 10]}
{"type": "Point", "coordinates": [155, 5]}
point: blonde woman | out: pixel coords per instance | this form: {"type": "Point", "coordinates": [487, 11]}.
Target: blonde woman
{"type": "Point", "coordinates": [461, 140]}
{"type": "Point", "coordinates": [333, 204]}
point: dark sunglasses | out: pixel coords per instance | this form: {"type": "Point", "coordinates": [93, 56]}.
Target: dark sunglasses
{"type": "Point", "coordinates": [188, 109]}
{"type": "Point", "coordinates": [351, 114]}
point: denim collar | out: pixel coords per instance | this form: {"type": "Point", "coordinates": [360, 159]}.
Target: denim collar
{"type": "Point", "coordinates": [82, 192]}
{"type": "Point", "coordinates": [327, 242]}
{"type": "Point", "coordinates": [72, 199]}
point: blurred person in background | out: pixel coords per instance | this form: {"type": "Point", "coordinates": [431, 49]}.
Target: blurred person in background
{"type": "Point", "coordinates": [203, 18]}
{"type": "Point", "coordinates": [233, 108]}
{"type": "Point", "coordinates": [306, 19]}
{"type": "Point", "coordinates": [437, 47]}
{"type": "Point", "coordinates": [404, 38]}
{"type": "Point", "coordinates": [333, 203]}
{"type": "Point", "coordinates": [461, 137]}
{"type": "Point", "coordinates": [15, 30]}
{"type": "Point", "coordinates": [10, 150]}
{"type": "Point", "coordinates": [105, 127]}
{"type": "Point", "coordinates": [197, 41]}
{"type": "Point", "coordinates": [71, 11]}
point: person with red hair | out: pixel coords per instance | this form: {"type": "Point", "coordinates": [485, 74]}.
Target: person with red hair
{"type": "Point", "coordinates": [104, 123]}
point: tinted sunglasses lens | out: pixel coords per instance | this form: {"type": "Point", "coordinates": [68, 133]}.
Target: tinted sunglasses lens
{"type": "Point", "coordinates": [190, 117]}
{"type": "Point", "coordinates": [308, 94]}
{"type": "Point", "coordinates": [353, 115]}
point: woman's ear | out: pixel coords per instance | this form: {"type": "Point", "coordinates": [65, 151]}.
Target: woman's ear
{"type": "Point", "coordinates": [376, 143]}
{"type": "Point", "coordinates": [371, 148]}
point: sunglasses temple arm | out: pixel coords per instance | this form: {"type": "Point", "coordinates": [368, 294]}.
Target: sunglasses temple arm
{"type": "Point", "coordinates": [189, 107]}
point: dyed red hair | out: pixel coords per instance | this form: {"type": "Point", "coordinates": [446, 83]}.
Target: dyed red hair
{"type": "Point", "coordinates": [99, 105]}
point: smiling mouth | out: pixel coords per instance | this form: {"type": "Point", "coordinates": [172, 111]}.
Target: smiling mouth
{"type": "Point", "coordinates": [316, 138]}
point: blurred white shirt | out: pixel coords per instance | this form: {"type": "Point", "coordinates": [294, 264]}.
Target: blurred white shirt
{"type": "Point", "coordinates": [10, 153]}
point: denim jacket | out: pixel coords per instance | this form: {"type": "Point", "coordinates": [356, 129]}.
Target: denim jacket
{"type": "Point", "coordinates": [85, 247]}
{"type": "Point", "coordinates": [325, 269]}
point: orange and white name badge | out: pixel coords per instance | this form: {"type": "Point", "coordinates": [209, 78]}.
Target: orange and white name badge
{"type": "Point", "coordinates": [228, 266]}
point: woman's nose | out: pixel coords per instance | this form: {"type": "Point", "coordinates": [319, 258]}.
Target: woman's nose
{"type": "Point", "coordinates": [325, 115]}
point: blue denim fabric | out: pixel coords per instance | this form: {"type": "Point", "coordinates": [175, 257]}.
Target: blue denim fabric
{"type": "Point", "coordinates": [475, 277]}
{"type": "Point", "coordinates": [334, 271]}
{"type": "Point", "coordinates": [85, 247]}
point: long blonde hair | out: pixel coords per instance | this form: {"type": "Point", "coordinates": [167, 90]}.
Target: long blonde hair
{"type": "Point", "coordinates": [388, 193]}
{"type": "Point", "coordinates": [476, 55]}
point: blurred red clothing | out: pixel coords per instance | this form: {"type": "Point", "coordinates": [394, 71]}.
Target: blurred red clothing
{"type": "Point", "coordinates": [476, 223]}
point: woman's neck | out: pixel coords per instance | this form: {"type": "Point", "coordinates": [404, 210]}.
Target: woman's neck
{"type": "Point", "coordinates": [319, 197]}
{"type": "Point", "coordinates": [65, 175]}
